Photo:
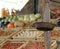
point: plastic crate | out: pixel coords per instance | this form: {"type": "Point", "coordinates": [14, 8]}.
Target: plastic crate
{"type": "Point", "coordinates": [15, 44]}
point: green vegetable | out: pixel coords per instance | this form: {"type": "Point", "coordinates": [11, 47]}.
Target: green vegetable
{"type": "Point", "coordinates": [54, 17]}
{"type": "Point", "coordinates": [10, 18]}
{"type": "Point", "coordinates": [2, 20]}
{"type": "Point", "coordinates": [14, 18]}
{"type": "Point", "coordinates": [37, 15]}
{"type": "Point", "coordinates": [32, 17]}
{"type": "Point", "coordinates": [26, 18]}
{"type": "Point", "coordinates": [21, 18]}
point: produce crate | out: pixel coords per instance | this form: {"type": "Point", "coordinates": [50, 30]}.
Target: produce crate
{"type": "Point", "coordinates": [37, 45]}
{"type": "Point", "coordinates": [19, 32]}
{"type": "Point", "coordinates": [12, 44]}
{"type": "Point", "coordinates": [17, 44]}
{"type": "Point", "coordinates": [32, 33]}
{"type": "Point", "coordinates": [55, 35]}
{"type": "Point", "coordinates": [28, 33]}
{"type": "Point", "coordinates": [1, 40]}
{"type": "Point", "coordinates": [8, 32]}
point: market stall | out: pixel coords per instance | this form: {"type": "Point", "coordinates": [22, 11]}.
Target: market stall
{"type": "Point", "coordinates": [29, 24]}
